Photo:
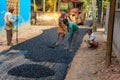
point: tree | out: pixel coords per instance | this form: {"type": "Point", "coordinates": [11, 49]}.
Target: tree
{"type": "Point", "coordinates": [101, 5]}
{"type": "Point", "coordinates": [50, 5]}
{"type": "Point", "coordinates": [87, 6]}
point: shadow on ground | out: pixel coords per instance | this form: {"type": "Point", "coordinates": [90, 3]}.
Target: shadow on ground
{"type": "Point", "coordinates": [38, 51]}
{"type": "Point", "coordinates": [31, 71]}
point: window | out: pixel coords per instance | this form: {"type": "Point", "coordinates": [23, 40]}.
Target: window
{"type": "Point", "coordinates": [15, 4]}
{"type": "Point", "coordinates": [118, 5]}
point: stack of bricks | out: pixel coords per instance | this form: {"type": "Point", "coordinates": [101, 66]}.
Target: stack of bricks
{"type": "Point", "coordinates": [15, 4]}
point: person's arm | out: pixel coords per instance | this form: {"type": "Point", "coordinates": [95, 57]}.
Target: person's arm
{"type": "Point", "coordinates": [59, 21]}
{"type": "Point", "coordinates": [61, 24]}
{"type": "Point", "coordinates": [70, 33]}
{"type": "Point", "coordinates": [67, 29]}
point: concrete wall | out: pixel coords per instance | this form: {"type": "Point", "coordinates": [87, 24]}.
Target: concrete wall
{"type": "Point", "coordinates": [25, 11]}
{"type": "Point", "coordinates": [24, 17]}
{"type": "Point", "coordinates": [116, 35]}
{"type": "Point", "coordinates": [3, 9]}
{"type": "Point", "coordinates": [107, 18]}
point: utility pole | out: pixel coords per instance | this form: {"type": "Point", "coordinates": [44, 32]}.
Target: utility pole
{"type": "Point", "coordinates": [17, 13]}
{"type": "Point", "coordinates": [110, 32]}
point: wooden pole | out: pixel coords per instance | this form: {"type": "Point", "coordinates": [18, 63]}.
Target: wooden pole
{"type": "Point", "coordinates": [110, 32]}
{"type": "Point", "coordinates": [17, 22]}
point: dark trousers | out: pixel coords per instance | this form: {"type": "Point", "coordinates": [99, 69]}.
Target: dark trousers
{"type": "Point", "coordinates": [9, 36]}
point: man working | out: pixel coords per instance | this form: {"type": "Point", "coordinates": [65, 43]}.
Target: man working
{"type": "Point", "coordinates": [61, 28]}
{"type": "Point", "coordinates": [9, 25]}
{"type": "Point", "coordinates": [92, 41]}
{"type": "Point", "coordinates": [72, 33]}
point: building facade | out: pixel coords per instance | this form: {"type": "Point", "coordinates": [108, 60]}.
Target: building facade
{"type": "Point", "coordinates": [22, 10]}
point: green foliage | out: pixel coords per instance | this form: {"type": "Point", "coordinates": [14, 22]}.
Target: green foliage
{"type": "Point", "coordinates": [87, 4]}
{"type": "Point", "coordinates": [49, 4]}
{"type": "Point", "coordinates": [14, 30]}
{"type": "Point", "coordinates": [64, 6]}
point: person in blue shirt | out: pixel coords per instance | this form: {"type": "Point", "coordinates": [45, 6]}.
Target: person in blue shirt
{"type": "Point", "coordinates": [73, 30]}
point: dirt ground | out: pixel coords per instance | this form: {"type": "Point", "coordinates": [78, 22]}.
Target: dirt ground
{"type": "Point", "coordinates": [111, 73]}
{"type": "Point", "coordinates": [89, 64]}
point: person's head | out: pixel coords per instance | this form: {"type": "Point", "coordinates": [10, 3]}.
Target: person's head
{"type": "Point", "coordinates": [89, 32]}
{"type": "Point", "coordinates": [65, 21]}
{"type": "Point", "coordinates": [63, 14]}
{"type": "Point", "coordinates": [11, 9]}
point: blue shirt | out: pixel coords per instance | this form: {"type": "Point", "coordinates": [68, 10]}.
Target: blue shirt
{"type": "Point", "coordinates": [72, 27]}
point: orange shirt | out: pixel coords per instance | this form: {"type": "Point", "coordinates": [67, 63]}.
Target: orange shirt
{"type": "Point", "coordinates": [61, 27]}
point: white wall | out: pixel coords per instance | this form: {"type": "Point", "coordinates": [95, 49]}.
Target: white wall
{"type": "Point", "coordinates": [116, 35]}
{"type": "Point", "coordinates": [107, 18]}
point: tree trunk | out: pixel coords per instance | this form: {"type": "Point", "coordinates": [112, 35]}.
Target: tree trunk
{"type": "Point", "coordinates": [99, 11]}
{"type": "Point", "coordinates": [55, 6]}
{"type": "Point", "coordinates": [59, 2]}
{"type": "Point", "coordinates": [94, 15]}
{"type": "Point", "coordinates": [43, 5]}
